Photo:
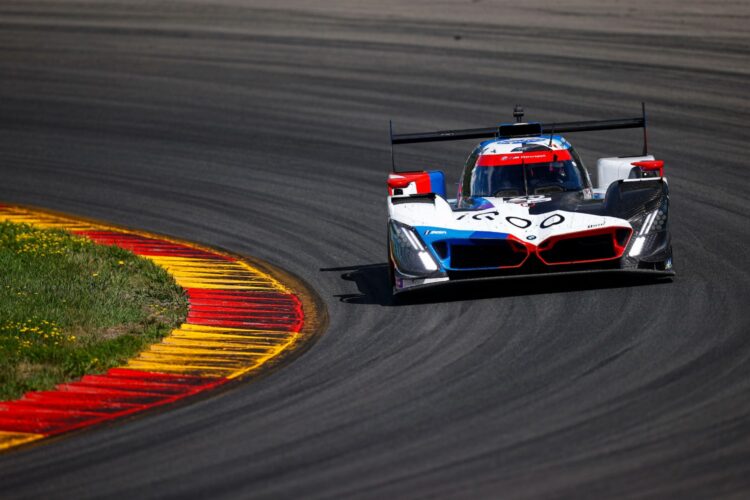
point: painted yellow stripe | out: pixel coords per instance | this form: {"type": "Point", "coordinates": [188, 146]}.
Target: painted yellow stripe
{"type": "Point", "coordinates": [197, 336]}
{"type": "Point", "coordinates": [184, 332]}
{"type": "Point", "coordinates": [44, 221]}
{"type": "Point", "coordinates": [189, 327]}
{"type": "Point", "coordinates": [184, 339]}
{"type": "Point", "coordinates": [192, 272]}
{"type": "Point", "coordinates": [222, 350]}
{"type": "Point", "coordinates": [219, 343]}
{"type": "Point", "coordinates": [11, 439]}
{"type": "Point", "coordinates": [180, 361]}
{"type": "Point", "coordinates": [291, 340]}
{"type": "Point", "coordinates": [202, 370]}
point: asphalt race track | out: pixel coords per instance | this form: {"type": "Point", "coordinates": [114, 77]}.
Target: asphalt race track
{"type": "Point", "coordinates": [262, 129]}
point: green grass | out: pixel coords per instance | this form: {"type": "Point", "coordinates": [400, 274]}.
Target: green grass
{"type": "Point", "coordinates": [69, 307]}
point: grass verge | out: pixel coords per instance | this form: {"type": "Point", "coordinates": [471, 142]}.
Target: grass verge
{"type": "Point", "coordinates": [69, 307]}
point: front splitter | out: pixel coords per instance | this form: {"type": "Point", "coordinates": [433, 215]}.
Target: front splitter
{"type": "Point", "coordinates": [643, 273]}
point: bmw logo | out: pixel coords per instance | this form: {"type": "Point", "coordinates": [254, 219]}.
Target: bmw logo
{"type": "Point", "coordinates": [531, 237]}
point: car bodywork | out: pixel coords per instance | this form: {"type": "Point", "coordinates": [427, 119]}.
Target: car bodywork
{"type": "Point", "coordinates": [545, 217]}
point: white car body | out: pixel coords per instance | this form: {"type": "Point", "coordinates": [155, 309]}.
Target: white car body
{"type": "Point", "coordinates": [447, 237]}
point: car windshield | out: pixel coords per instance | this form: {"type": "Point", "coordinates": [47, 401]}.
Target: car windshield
{"type": "Point", "coordinates": [541, 178]}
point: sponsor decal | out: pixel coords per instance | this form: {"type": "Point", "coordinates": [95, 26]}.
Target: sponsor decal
{"type": "Point", "coordinates": [531, 237]}
{"type": "Point", "coordinates": [514, 159]}
{"type": "Point", "coordinates": [530, 201]}
{"type": "Point", "coordinates": [434, 231]}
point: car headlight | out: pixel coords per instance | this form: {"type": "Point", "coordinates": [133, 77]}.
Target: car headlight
{"type": "Point", "coordinates": [409, 252]}
{"type": "Point", "coordinates": [645, 225]}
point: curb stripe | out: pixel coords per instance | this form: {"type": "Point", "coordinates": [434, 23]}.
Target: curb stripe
{"type": "Point", "coordinates": [10, 439]}
{"type": "Point", "coordinates": [239, 318]}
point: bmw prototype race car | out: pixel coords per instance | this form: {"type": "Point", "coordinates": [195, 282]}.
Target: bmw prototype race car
{"type": "Point", "coordinates": [526, 207]}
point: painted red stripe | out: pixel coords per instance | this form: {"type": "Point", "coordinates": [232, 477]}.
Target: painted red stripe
{"type": "Point", "coordinates": [30, 410]}
{"type": "Point", "coordinates": [107, 392]}
{"type": "Point", "coordinates": [241, 306]}
{"type": "Point", "coordinates": [250, 313]}
{"type": "Point", "coordinates": [245, 313]}
{"type": "Point", "coordinates": [245, 308]}
{"type": "Point", "coordinates": [163, 377]}
{"type": "Point", "coordinates": [149, 246]}
{"type": "Point", "coordinates": [97, 398]}
{"type": "Point", "coordinates": [41, 426]}
{"type": "Point", "coordinates": [228, 310]}
{"type": "Point", "coordinates": [138, 385]}
{"type": "Point", "coordinates": [69, 403]}
{"type": "Point", "coordinates": [246, 324]}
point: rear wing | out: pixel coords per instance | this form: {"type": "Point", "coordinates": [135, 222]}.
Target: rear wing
{"type": "Point", "coordinates": [521, 129]}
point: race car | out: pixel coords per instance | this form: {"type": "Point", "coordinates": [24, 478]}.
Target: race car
{"type": "Point", "coordinates": [526, 207]}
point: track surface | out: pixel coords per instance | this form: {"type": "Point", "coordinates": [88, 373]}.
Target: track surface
{"type": "Point", "coordinates": [262, 129]}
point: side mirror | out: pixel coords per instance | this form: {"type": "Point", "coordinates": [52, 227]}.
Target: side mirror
{"type": "Point", "coordinates": [650, 168]}
{"type": "Point", "coordinates": [406, 183]}
{"type": "Point", "coordinates": [398, 182]}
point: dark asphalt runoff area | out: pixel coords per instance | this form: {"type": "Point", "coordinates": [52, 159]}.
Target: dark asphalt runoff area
{"type": "Point", "coordinates": [262, 127]}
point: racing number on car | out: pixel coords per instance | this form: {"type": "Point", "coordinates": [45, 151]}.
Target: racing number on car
{"type": "Point", "coordinates": [483, 215]}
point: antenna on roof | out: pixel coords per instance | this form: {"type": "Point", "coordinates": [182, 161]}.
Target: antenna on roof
{"type": "Point", "coordinates": [518, 113]}
{"type": "Point", "coordinates": [551, 135]}
{"type": "Point", "coordinates": [645, 135]}
{"type": "Point", "coordinates": [390, 130]}
{"type": "Point", "coordinates": [525, 178]}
